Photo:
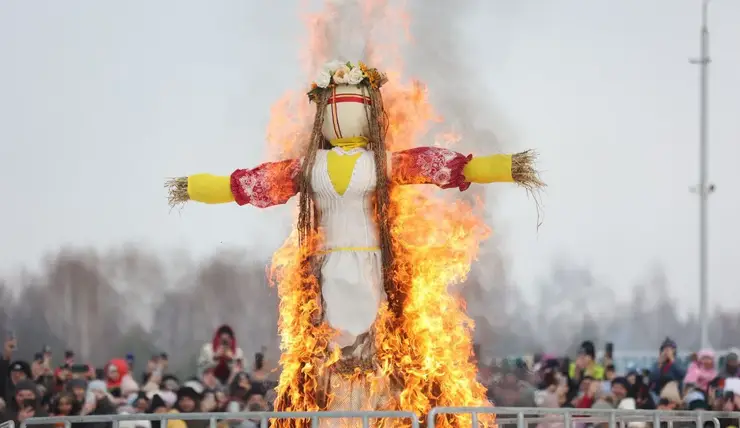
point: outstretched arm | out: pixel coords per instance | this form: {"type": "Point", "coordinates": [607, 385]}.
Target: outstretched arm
{"type": "Point", "coordinates": [269, 184]}
{"type": "Point", "coordinates": [448, 169]}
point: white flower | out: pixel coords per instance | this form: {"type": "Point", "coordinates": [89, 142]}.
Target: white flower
{"type": "Point", "coordinates": [355, 76]}
{"type": "Point", "coordinates": [323, 79]}
{"type": "Point", "coordinates": [333, 66]}
{"type": "Point", "coordinates": [341, 76]}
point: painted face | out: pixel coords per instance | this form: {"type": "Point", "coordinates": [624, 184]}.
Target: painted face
{"type": "Point", "coordinates": [345, 114]}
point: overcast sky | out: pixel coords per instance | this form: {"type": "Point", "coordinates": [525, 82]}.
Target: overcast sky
{"type": "Point", "coordinates": [100, 101]}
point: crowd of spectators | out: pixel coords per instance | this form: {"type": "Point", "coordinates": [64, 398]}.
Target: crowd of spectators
{"type": "Point", "coordinates": [225, 382]}
{"type": "Point", "coordinates": [706, 382]}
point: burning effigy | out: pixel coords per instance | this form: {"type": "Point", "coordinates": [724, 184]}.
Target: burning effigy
{"type": "Point", "coordinates": [366, 319]}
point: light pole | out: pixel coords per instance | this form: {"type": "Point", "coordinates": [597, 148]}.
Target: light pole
{"type": "Point", "coordinates": [704, 188]}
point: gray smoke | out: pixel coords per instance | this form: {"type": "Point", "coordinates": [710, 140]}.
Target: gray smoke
{"type": "Point", "coordinates": [358, 29]}
{"type": "Point", "coordinates": [437, 54]}
{"type": "Point", "coordinates": [105, 304]}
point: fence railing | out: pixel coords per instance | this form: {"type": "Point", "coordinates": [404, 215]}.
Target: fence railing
{"type": "Point", "coordinates": [213, 418]}
{"type": "Point", "coordinates": [520, 417]}
{"type": "Point", "coordinates": [569, 418]}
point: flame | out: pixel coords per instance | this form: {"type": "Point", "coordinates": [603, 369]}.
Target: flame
{"type": "Point", "coordinates": [435, 240]}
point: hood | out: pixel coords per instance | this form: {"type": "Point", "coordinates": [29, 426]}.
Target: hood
{"type": "Point", "coordinates": [699, 376]}
{"type": "Point", "coordinates": [705, 353]}
{"type": "Point", "coordinates": [122, 368]}
{"type": "Point", "coordinates": [221, 330]}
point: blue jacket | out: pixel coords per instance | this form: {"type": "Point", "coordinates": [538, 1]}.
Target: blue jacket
{"type": "Point", "coordinates": [661, 375]}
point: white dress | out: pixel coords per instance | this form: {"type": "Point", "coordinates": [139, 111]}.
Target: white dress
{"type": "Point", "coordinates": [351, 276]}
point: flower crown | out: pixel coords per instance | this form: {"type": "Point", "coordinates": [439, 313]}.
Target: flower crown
{"type": "Point", "coordinates": [345, 73]}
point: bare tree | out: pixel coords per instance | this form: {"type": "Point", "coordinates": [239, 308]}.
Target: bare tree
{"type": "Point", "coordinates": [128, 300]}
{"type": "Point", "coordinates": [81, 306]}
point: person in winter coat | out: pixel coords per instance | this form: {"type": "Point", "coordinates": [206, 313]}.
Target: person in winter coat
{"type": "Point", "coordinates": [641, 393]}
{"type": "Point", "coordinates": [25, 404]}
{"type": "Point", "coordinates": [731, 368]}
{"type": "Point", "coordinates": [160, 403]}
{"type": "Point", "coordinates": [11, 372]}
{"type": "Point", "coordinates": [188, 401]}
{"type": "Point", "coordinates": [622, 392]}
{"type": "Point", "coordinates": [702, 371]}
{"type": "Point", "coordinates": [220, 354]}
{"type": "Point", "coordinates": [666, 369]}
{"type": "Point", "coordinates": [17, 371]}
{"type": "Point", "coordinates": [548, 397]}
{"type": "Point", "coordinates": [583, 370]}
{"type": "Point", "coordinates": [119, 381]}
{"type": "Point", "coordinates": [97, 402]}
{"type": "Point", "coordinates": [260, 373]}
{"type": "Point", "coordinates": [6, 389]}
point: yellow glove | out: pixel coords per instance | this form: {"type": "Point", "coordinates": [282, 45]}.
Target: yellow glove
{"type": "Point", "coordinates": [489, 169]}
{"type": "Point", "coordinates": [210, 189]}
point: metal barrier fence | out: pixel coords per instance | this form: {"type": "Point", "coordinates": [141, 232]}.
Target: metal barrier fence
{"type": "Point", "coordinates": [570, 418]}
{"type": "Point", "coordinates": [213, 418]}
{"type": "Point", "coordinates": [505, 417]}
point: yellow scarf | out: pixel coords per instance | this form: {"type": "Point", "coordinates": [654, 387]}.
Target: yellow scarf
{"type": "Point", "coordinates": [349, 143]}
{"type": "Point", "coordinates": [341, 165]}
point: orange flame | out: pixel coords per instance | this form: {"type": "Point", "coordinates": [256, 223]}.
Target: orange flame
{"type": "Point", "coordinates": [435, 241]}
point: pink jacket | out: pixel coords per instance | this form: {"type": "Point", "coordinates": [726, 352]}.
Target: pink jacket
{"type": "Point", "coordinates": [697, 374]}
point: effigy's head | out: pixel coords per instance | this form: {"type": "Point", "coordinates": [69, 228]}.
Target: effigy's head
{"type": "Point", "coordinates": [349, 107]}
{"type": "Point", "coordinates": [346, 93]}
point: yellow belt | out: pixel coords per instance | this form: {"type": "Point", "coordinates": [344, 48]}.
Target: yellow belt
{"type": "Point", "coordinates": [349, 249]}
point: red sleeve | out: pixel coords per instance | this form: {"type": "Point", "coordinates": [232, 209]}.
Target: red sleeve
{"type": "Point", "coordinates": [430, 165]}
{"type": "Point", "coordinates": [585, 402]}
{"type": "Point", "coordinates": [269, 184]}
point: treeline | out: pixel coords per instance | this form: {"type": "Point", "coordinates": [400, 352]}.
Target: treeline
{"type": "Point", "coordinates": [572, 305]}
{"type": "Point", "coordinates": [105, 304]}
{"type": "Point", "coordinates": [130, 300]}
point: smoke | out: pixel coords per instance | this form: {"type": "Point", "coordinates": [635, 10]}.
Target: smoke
{"type": "Point", "coordinates": [425, 39]}
{"type": "Point", "coordinates": [107, 304]}
{"type": "Point", "coordinates": [441, 55]}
